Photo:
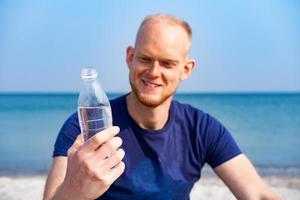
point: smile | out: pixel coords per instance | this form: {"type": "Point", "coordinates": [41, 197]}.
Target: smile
{"type": "Point", "coordinates": [150, 84]}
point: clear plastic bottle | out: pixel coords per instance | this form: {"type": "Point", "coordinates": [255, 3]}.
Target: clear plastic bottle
{"type": "Point", "coordinates": [94, 111]}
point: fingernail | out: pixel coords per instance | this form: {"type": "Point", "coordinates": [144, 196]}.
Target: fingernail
{"type": "Point", "coordinates": [116, 128]}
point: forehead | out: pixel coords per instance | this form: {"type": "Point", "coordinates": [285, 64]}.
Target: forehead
{"type": "Point", "coordinates": [162, 38]}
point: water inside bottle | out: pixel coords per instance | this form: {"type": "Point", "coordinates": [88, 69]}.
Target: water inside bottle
{"type": "Point", "coordinates": [94, 119]}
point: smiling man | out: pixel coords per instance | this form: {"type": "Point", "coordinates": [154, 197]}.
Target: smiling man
{"type": "Point", "coordinates": [162, 144]}
{"type": "Point", "coordinates": [159, 61]}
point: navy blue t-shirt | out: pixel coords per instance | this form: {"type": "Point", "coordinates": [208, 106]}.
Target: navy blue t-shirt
{"type": "Point", "coordinates": [160, 164]}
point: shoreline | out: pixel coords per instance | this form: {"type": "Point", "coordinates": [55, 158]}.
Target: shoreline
{"type": "Point", "coordinates": [209, 187]}
{"type": "Point", "coordinates": [280, 171]}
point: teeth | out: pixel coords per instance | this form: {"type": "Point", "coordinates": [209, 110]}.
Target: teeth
{"type": "Point", "coordinates": [152, 85]}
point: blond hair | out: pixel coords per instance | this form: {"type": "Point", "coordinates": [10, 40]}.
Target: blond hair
{"type": "Point", "coordinates": [169, 19]}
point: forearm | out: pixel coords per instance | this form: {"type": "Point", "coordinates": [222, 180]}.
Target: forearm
{"type": "Point", "coordinates": [242, 179]}
{"type": "Point", "coordinates": [62, 194]}
{"type": "Point", "coordinates": [55, 177]}
{"type": "Point", "coordinates": [58, 195]}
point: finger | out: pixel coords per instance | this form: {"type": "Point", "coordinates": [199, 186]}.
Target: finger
{"type": "Point", "coordinates": [112, 161]}
{"type": "Point", "coordinates": [77, 143]}
{"type": "Point", "coordinates": [98, 139]}
{"type": "Point", "coordinates": [108, 148]}
{"type": "Point", "coordinates": [115, 172]}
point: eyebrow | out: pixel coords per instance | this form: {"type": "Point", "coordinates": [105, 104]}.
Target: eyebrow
{"type": "Point", "coordinates": [171, 61]}
{"type": "Point", "coordinates": [139, 54]}
{"type": "Point", "coordinates": [142, 54]}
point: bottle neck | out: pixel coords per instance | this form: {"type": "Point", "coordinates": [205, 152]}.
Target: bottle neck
{"type": "Point", "coordinates": [88, 80]}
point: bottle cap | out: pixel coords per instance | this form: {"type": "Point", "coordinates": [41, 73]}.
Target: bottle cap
{"type": "Point", "coordinates": [89, 73]}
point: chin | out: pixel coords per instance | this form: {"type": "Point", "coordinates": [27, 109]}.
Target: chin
{"type": "Point", "coordinates": [151, 100]}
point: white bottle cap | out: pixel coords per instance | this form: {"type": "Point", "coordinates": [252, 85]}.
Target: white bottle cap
{"type": "Point", "coordinates": [89, 73]}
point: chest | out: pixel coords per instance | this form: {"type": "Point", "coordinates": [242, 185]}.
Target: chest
{"type": "Point", "coordinates": [166, 157]}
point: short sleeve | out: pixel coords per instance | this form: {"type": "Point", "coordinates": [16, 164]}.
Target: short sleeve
{"type": "Point", "coordinates": [67, 135]}
{"type": "Point", "coordinates": [219, 144]}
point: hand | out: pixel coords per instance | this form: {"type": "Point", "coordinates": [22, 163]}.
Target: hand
{"type": "Point", "coordinates": [93, 166]}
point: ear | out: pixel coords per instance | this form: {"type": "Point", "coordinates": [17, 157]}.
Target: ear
{"type": "Point", "coordinates": [129, 55]}
{"type": "Point", "coordinates": [188, 68]}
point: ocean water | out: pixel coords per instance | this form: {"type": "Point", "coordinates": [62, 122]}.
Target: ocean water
{"type": "Point", "coordinates": [266, 127]}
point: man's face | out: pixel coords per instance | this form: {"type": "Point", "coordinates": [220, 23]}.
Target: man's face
{"type": "Point", "coordinates": [158, 62]}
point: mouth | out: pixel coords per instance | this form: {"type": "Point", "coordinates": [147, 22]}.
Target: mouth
{"type": "Point", "coordinates": [150, 84]}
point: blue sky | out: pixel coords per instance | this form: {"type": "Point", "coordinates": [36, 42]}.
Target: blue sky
{"type": "Point", "coordinates": [248, 46]}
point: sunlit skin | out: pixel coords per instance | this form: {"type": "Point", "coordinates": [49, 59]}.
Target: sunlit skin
{"type": "Point", "coordinates": [158, 62]}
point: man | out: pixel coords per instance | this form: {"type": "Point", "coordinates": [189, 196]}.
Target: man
{"type": "Point", "coordinates": [166, 143]}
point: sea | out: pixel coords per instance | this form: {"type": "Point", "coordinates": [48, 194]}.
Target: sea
{"type": "Point", "coordinates": [266, 127]}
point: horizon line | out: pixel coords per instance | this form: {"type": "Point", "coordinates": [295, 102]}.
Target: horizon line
{"type": "Point", "coordinates": [177, 93]}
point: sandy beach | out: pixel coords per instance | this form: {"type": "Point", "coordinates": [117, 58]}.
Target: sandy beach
{"type": "Point", "coordinates": [209, 187]}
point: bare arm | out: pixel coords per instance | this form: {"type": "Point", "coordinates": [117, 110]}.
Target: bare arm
{"type": "Point", "coordinates": [89, 169]}
{"type": "Point", "coordinates": [243, 180]}
{"type": "Point", "coordinates": [56, 176]}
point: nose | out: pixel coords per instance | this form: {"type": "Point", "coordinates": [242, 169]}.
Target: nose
{"type": "Point", "coordinates": [154, 69]}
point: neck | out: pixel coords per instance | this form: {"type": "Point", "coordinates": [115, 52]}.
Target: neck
{"type": "Point", "coordinates": [146, 117]}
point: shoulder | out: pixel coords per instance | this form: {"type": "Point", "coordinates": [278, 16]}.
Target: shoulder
{"type": "Point", "coordinates": [190, 114]}
{"type": "Point", "coordinates": [67, 135]}
{"type": "Point", "coordinates": [119, 111]}
{"type": "Point", "coordinates": [216, 142]}
{"type": "Point", "coordinates": [118, 105]}
{"type": "Point", "coordinates": [115, 102]}
{"type": "Point", "coordinates": [71, 123]}
{"type": "Point", "coordinates": [73, 118]}
{"type": "Point", "coordinates": [198, 122]}
{"type": "Point", "coordinates": [205, 125]}
{"type": "Point", "coordinates": [186, 109]}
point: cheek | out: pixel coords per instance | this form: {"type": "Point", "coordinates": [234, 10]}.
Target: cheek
{"type": "Point", "coordinates": [133, 70]}
{"type": "Point", "coordinates": [135, 67]}
{"type": "Point", "coordinates": [172, 77]}
{"type": "Point", "coordinates": [135, 73]}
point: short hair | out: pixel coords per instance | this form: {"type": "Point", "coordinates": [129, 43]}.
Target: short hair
{"type": "Point", "coordinates": [169, 19]}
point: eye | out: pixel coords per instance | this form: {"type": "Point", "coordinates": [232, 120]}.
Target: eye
{"type": "Point", "coordinates": [167, 64]}
{"type": "Point", "coordinates": [144, 59]}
